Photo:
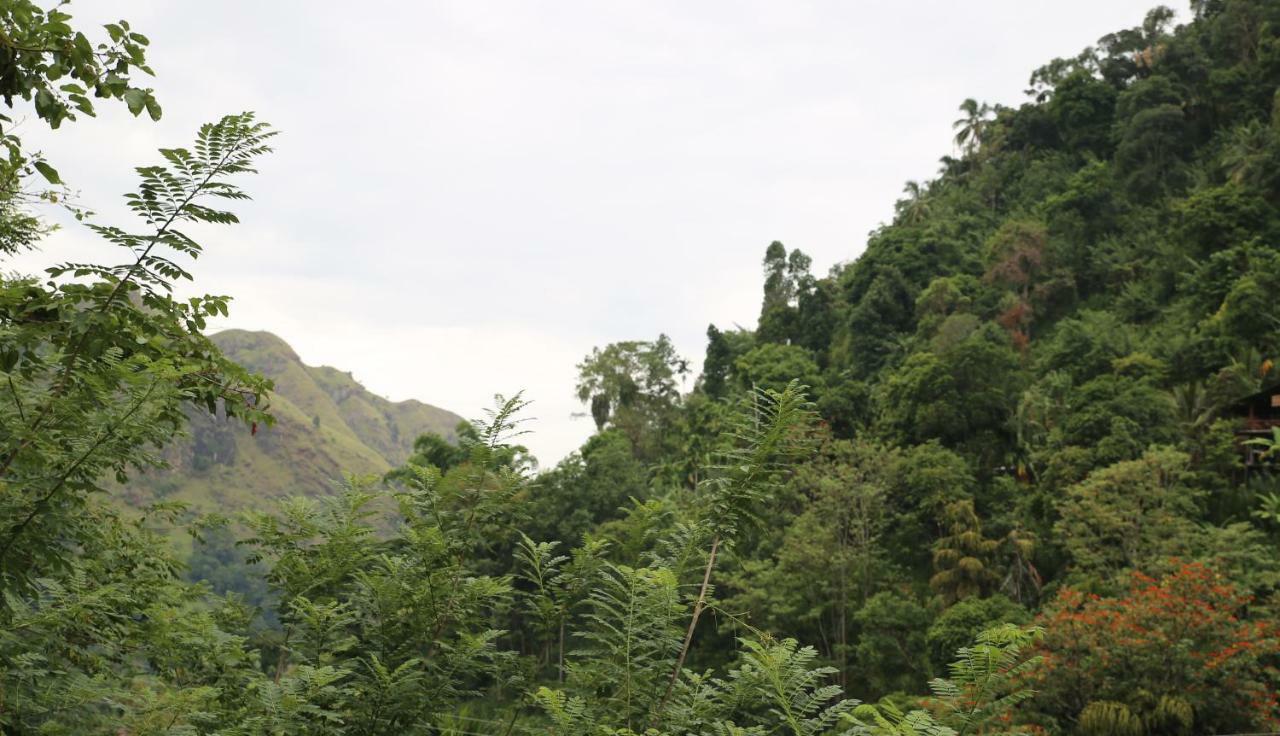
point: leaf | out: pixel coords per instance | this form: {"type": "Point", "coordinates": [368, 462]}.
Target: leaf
{"type": "Point", "coordinates": [136, 99]}
{"type": "Point", "coordinates": [153, 107]}
{"type": "Point", "coordinates": [48, 172]}
{"type": "Point", "coordinates": [82, 104]}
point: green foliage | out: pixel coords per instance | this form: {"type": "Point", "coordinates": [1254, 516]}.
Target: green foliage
{"type": "Point", "coordinates": [556, 588]}
{"type": "Point", "coordinates": [772, 366]}
{"type": "Point", "coordinates": [587, 489]}
{"type": "Point", "coordinates": [983, 691]}
{"type": "Point", "coordinates": [1081, 108]}
{"type": "Point", "coordinates": [717, 363]}
{"type": "Point", "coordinates": [797, 309]}
{"type": "Point", "coordinates": [217, 561]}
{"type": "Point", "coordinates": [985, 686]}
{"type": "Point", "coordinates": [630, 381]}
{"type": "Point", "coordinates": [1129, 514]}
{"type": "Point", "coordinates": [402, 624]}
{"type": "Point", "coordinates": [59, 70]}
{"type": "Point", "coordinates": [632, 636]}
{"type": "Point", "coordinates": [1109, 718]}
{"type": "Point", "coordinates": [963, 622]}
{"type": "Point", "coordinates": [1028, 387]}
{"type": "Point", "coordinates": [769, 430]}
{"type": "Point", "coordinates": [879, 314]}
{"type": "Point", "coordinates": [961, 393]}
{"type": "Point", "coordinates": [829, 558]}
{"type": "Point", "coordinates": [116, 629]}
{"type": "Point", "coordinates": [1150, 149]}
{"type": "Point", "coordinates": [433, 450]}
{"type": "Point", "coordinates": [963, 557]}
{"type": "Point", "coordinates": [99, 368]}
{"type": "Point", "coordinates": [631, 641]}
{"type": "Point", "coordinates": [972, 128]}
{"type": "Point", "coordinates": [1086, 346]}
{"type": "Point", "coordinates": [783, 673]}
{"type": "Point", "coordinates": [892, 654]}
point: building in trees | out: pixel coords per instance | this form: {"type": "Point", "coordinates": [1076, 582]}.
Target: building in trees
{"type": "Point", "coordinates": [1260, 415]}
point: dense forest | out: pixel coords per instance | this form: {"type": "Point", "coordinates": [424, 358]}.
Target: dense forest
{"type": "Point", "coordinates": [1012, 470]}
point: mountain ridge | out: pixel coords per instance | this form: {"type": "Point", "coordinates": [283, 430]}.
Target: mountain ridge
{"type": "Point", "coordinates": [327, 426]}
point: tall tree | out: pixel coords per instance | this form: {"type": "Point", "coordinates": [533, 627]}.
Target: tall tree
{"type": "Point", "coordinates": [630, 380]}
{"type": "Point", "coordinates": [972, 127]}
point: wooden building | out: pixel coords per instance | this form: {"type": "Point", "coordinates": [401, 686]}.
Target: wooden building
{"type": "Point", "coordinates": [1259, 414]}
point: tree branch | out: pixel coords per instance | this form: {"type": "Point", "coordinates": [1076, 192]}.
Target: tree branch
{"type": "Point", "coordinates": [43, 502]}
{"type": "Point", "coordinates": [698, 606]}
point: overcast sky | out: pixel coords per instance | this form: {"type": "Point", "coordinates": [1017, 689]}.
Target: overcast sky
{"type": "Point", "coordinates": [467, 196]}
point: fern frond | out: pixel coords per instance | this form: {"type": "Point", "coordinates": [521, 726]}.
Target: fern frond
{"type": "Point", "coordinates": [984, 678]}
{"type": "Point", "coordinates": [768, 429]}
{"type": "Point", "coordinates": [782, 675]}
{"type": "Point", "coordinates": [631, 637]}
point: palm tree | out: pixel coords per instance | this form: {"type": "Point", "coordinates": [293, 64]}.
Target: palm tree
{"type": "Point", "coordinates": [916, 206]}
{"type": "Point", "coordinates": [1268, 507]}
{"type": "Point", "coordinates": [970, 128]}
{"type": "Point", "coordinates": [1244, 155]}
{"type": "Point", "coordinates": [1195, 407]}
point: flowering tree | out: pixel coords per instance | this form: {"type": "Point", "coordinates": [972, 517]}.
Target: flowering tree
{"type": "Point", "coordinates": [1172, 654]}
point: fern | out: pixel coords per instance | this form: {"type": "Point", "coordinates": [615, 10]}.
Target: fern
{"type": "Point", "coordinates": [472, 506]}
{"type": "Point", "coordinates": [386, 696]}
{"type": "Point", "coordinates": [172, 194]}
{"type": "Point", "coordinates": [769, 428]}
{"type": "Point", "coordinates": [630, 636]}
{"type": "Point", "coordinates": [984, 678]}
{"type": "Point", "coordinates": [888, 720]}
{"type": "Point", "coordinates": [405, 622]}
{"type": "Point", "coordinates": [982, 692]}
{"type": "Point", "coordinates": [94, 394]}
{"type": "Point", "coordinates": [308, 701]}
{"type": "Point", "coordinates": [569, 715]}
{"type": "Point", "coordinates": [556, 587]}
{"type": "Point", "coordinates": [782, 675]}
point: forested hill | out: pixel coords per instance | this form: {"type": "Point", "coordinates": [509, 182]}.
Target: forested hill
{"type": "Point", "coordinates": [1033, 387]}
{"type": "Point", "coordinates": [1028, 444]}
{"type": "Point", "coordinates": [326, 425]}
{"type": "Point", "coordinates": [1074, 283]}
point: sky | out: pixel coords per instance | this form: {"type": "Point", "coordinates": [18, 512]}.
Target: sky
{"type": "Point", "coordinates": [467, 196]}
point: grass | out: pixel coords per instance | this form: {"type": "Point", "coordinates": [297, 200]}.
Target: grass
{"type": "Point", "coordinates": [327, 425]}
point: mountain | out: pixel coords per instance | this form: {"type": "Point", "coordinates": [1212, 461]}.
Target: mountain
{"type": "Point", "coordinates": [327, 425]}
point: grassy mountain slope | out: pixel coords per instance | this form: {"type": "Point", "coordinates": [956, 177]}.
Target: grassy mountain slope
{"type": "Point", "coordinates": [327, 425]}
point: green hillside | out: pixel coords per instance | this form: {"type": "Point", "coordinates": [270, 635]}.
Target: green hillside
{"type": "Point", "coordinates": [327, 425]}
{"type": "Point", "coordinates": [1014, 470]}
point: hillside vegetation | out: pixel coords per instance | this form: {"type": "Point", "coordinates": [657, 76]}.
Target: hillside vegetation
{"type": "Point", "coordinates": [326, 425]}
{"type": "Point", "coordinates": [1013, 470]}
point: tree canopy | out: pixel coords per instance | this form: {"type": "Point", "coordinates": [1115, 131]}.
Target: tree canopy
{"type": "Point", "coordinates": [1012, 470]}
